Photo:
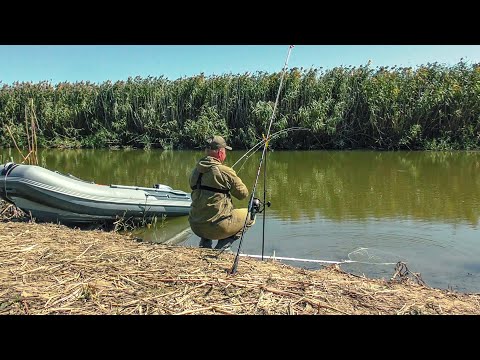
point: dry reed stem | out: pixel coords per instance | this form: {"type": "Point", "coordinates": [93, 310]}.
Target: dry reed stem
{"type": "Point", "coordinates": [26, 125]}
{"type": "Point", "coordinates": [15, 143]}
{"type": "Point", "coordinates": [54, 269]}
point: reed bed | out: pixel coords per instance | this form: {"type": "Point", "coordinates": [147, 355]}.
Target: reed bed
{"type": "Point", "coordinates": [430, 107]}
{"type": "Point", "coordinates": [54, 269]}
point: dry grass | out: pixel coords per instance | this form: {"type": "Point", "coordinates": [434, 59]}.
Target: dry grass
{"type": "Point", "coordinates": [54, 269]}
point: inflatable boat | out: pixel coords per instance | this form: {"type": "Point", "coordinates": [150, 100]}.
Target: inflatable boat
{"type": "Point", "coordinates": [54, 197]}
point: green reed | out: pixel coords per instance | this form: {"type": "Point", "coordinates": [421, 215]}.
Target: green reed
{"type": "Point", "coordinates": [431, 107]}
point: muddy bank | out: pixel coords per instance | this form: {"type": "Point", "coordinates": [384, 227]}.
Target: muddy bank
{"type": "Point", "coordinates": [54, 269]}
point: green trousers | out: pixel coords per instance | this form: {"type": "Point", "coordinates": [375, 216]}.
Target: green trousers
{"type": "Point", "coordinates": [227, 227]}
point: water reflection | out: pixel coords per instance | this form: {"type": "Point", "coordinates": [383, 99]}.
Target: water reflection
{"type": "Point", "coordinates": [304, 185]}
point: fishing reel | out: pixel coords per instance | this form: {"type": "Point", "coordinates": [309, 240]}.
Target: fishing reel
{"type": "Point", "coordinates": [257, 207]}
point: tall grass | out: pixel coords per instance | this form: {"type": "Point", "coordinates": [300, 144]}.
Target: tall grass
{"type": "Point", "coordinates": [31, 125]}
{"type": "Point", "coordinates": [431, 107]}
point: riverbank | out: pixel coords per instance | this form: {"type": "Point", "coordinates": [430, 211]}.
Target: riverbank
{"type": "Point", "coordinates": [54, 269]}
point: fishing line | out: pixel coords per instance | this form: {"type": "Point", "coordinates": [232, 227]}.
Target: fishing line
{"type": "Point", "coordinates": [267, 138]}
{"type": "Point", "coordinates": [360, 256]}
{"type": "Point", "coordinates": [257, 146]}
{"type": "Point", "coordinates": [374, 257]}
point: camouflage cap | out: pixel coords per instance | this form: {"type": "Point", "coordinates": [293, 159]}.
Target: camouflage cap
{"type": "Point", "coordinates": [217, 142]}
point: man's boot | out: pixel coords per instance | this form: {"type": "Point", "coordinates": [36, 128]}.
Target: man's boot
{"type": "Point", "coordinates": [225, 244]}
{"type": "Point", "coordinates": [205, 243]}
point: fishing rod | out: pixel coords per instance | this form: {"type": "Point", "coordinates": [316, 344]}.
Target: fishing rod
{"type": "Point", "coordinates": [250, 205]}
{"type": "Point", "coordinates": [264, 195]}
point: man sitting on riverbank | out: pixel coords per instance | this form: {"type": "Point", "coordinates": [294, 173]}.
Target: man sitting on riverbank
{"type": "Point", "coordinates": [212, 214]}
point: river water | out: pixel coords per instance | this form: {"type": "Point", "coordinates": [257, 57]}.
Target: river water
{"type": "Point", "coordinates": [418, 207]}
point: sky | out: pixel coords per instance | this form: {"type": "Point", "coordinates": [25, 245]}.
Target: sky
{"type": "Point", "coordinates": [99, 63]}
